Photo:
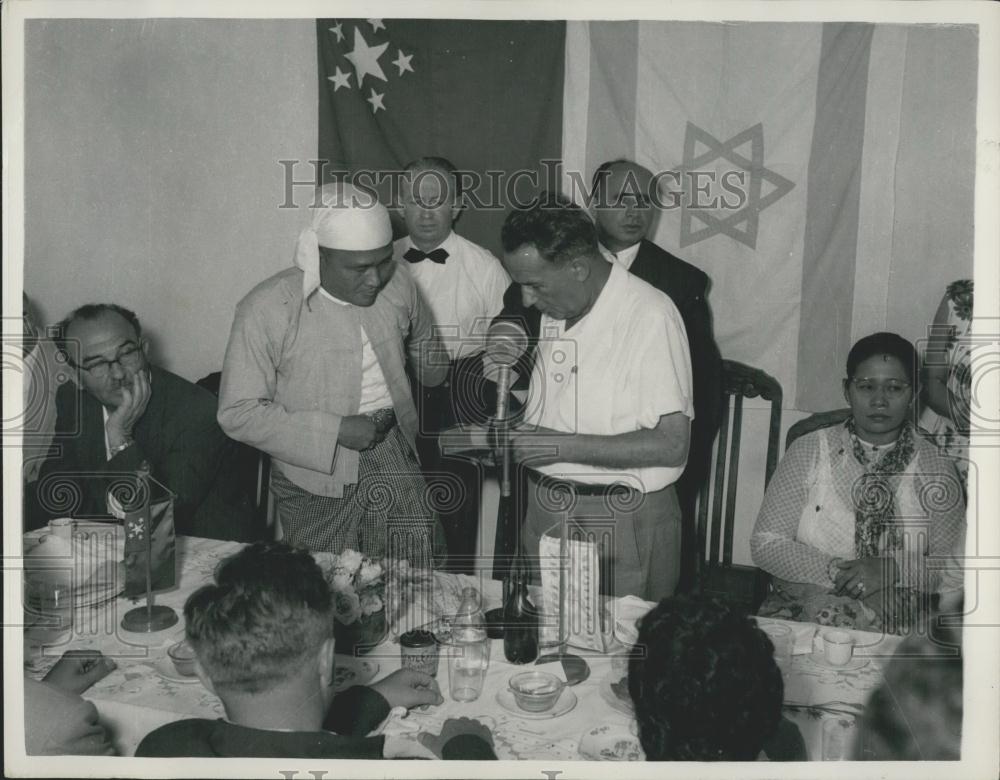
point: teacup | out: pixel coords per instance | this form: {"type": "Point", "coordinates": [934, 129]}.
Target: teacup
{"type": "Point", "coordinates": [837, 647]}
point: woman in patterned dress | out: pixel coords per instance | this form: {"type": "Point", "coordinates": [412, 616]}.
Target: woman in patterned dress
{"type": "Point", "coordinates": [948, 376]}
{"type": "Point", "coordinates": [861, 522]}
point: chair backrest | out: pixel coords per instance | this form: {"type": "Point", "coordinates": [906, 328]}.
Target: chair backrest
{"type": "Point", "coordinates": [814, 422]}
{"type": "Point", "coordinates": [717, 501]}
{"type": "Point", "coordinates": [254, 465]}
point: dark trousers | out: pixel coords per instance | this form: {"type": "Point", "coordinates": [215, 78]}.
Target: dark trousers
{"type": "Point", "coordinates": [454, 482]}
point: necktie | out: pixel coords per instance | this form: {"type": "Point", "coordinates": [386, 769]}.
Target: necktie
{"type": "Point", "coordinates": [414, 255]}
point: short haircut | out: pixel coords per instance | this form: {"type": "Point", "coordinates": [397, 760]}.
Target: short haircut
{"type": "Point", "coordinates": [883, 344]}
{"type": "Point", "coordinates": [555, 226]}
{"type": "Point", "coordinates": [707, 688]}
{"type": "Point", "coordinates": [268, 613]}
{"type": "Point", "coordinates": [439, 164]}
{"type": "Point", "coordinates": [92, 311]}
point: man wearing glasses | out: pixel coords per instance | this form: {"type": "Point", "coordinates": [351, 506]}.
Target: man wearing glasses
{"type": "Point", "coordinates": [121, 410]}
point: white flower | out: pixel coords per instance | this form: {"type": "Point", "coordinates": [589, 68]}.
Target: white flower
{"type": "Point", "coordinates": [342, 582]}
{"type": "Point", "coordinates": [371, 603]}
{"type": "Point", "coordinates": [350, 560]}
{"type": "Point", "coordinates": [370, 572]}
{"type": "Point", "coordinates": [347, 607]}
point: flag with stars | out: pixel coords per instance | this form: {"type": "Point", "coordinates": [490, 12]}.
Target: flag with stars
{"type": "Point", "coordinates": [487, 95]}
{"type": "Point", "coordinates": [161, 549]}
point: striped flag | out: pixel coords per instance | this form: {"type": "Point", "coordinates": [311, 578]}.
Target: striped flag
{"type": "Point", "coordinates": [816, 126]}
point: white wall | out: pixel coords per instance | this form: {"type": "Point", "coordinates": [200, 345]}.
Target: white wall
{"type": "Point", "coordinates": [151, 168]}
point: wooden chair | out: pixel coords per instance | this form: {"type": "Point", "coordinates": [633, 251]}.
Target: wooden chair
{"type": "Point", "coordinates": [814, 422]}
{"type": "Point", "coordinates": [254, 467]}
{"type": "Point", "coordinates": [718, 576]}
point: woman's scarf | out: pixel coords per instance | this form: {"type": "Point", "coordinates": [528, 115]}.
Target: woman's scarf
{"type": "Point", "coordinates": [875, 493]}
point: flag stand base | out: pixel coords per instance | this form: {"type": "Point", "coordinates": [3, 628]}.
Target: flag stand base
{"type": "Point", "coordinates": [148, 620]}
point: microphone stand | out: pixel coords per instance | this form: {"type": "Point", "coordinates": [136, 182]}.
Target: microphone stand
{"type": "Point", "coordinates": [507, 520]}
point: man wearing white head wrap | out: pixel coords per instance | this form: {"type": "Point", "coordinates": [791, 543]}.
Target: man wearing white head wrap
{"type": "Point", "coordinates": [314, 375]}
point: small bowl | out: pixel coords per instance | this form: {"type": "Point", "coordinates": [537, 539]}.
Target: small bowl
{"type": "Point", "coordinates": [536, 691]}
{"type": "Point", "coordinates": [182, 655]}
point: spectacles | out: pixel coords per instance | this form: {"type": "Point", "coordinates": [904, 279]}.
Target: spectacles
{"type": "Point", "coordinates": [129, 357]}
{"type": "Point", "coordinates": [892, 389]}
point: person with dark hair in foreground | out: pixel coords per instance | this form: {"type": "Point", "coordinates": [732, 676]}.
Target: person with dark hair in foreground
{"type": "Point", "coordinates": [706, 687]}
{"type": "Point", "coordinates": [263, 639]}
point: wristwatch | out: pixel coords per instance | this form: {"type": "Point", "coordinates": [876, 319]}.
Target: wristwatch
{"type": "Point", "coordinates": [127, 442]}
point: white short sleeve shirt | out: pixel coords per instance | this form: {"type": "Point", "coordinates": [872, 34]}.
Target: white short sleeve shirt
{"type": "Point", "coordinates": [618, 370]}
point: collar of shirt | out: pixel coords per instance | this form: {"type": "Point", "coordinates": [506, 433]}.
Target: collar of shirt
{"type": "Point", "coordinates": [551, 327]}
{"type": "Point", "coordinates": [329, 297]}
{"type": "Point", "coordinates": [623, 258]}
{"type": "Point", "coordinates": [448, 245]}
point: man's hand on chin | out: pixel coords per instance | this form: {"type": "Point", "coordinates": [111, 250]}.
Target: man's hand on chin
{"type": "Point", "coordinates": [135, 399]}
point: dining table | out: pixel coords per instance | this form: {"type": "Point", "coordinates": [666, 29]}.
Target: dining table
{"type": "Point", "coordinates": [145, 691]}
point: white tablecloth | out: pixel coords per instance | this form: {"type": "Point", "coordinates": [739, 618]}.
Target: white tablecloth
{"type": "Point", "coordinates": [135, 698]}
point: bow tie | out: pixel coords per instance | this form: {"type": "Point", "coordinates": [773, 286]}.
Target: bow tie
{"type": "Point", "coordinates": [414, 255]}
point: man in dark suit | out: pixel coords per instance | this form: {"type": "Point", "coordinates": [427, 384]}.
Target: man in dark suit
{"type": "Point", "coordinates": [120, 411]}
{"type": "Point", "coordinates": [623, 207]}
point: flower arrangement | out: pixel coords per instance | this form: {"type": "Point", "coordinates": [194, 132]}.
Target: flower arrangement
{"type": "Point", "coordinates": [363, 586]}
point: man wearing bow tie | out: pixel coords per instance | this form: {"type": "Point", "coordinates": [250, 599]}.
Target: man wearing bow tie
{"type": "Point", "coordinates": [463, 285]}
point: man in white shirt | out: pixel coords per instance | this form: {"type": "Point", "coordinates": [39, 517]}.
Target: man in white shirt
{"type": "Point", "coordinates": [606, 424]}
{"type": "Point", "coordinates": [315, 376]}
{"type": "Point", "coordinates": [463, 285]}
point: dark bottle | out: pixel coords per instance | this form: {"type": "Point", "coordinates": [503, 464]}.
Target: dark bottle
{"type": "Point", "coordinates": [520, 618]}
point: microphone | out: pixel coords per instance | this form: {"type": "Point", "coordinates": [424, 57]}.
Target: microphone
{"type": "Point", "coordinates": [506, 341]}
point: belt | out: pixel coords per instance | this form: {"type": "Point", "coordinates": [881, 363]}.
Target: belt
{"type": "Point", "coordinates": [383, 419]}
{"type": "Point", "coordinates": [579, 488]}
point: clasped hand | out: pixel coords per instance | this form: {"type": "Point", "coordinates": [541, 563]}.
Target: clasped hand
{"type": "Point", "coordinates": [358, 432]}
{"type": "Point", "coordinates": [864, 576]}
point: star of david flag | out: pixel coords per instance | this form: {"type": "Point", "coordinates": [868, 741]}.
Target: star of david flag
{"type": "Point", "coordinates": [800, 156]}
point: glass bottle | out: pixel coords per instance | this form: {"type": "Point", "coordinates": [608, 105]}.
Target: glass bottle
{"type": "Point", "coordinates": [520, 618]}
{"type": "Point", "coordinates": [468, 650]}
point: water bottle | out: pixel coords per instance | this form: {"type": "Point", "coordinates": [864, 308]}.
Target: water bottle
{"type": "Point", "coordinates": [469, 649]}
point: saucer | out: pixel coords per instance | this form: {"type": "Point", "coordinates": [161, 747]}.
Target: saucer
{"type": "Point", "coordinates": [820, 660]}
{"type": "Point", "coordinates": [348, 671]}
{"type": "Point", "coordinates": [165, 668]}
{"type": "Point", "coordinates": [565, 702]}
{"type": "Point", "coordinates": [611, 743]}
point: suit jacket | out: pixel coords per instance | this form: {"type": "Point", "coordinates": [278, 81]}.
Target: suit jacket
{"type": "Point", "coordinates": [178, 435]}
{"type": "Point", "coordinates": [687, 287]}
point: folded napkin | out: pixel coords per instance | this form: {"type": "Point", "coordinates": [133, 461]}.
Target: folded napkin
{"type": "Point", "coordinates": [624, 614]}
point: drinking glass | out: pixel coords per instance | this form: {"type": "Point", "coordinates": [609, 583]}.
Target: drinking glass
{"type": "Point", "coordinates": [468, 660]}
